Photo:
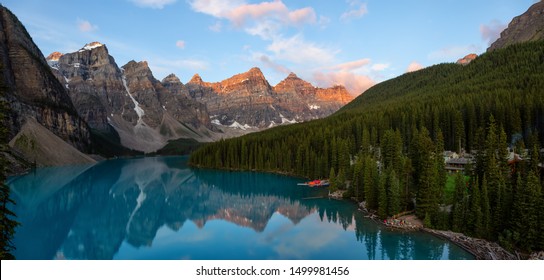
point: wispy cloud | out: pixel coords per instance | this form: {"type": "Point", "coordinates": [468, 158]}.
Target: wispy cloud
{"type": "Point", "coordinates": [216, 27]}
{"type": "Point", "coordinates": [380, 67]}
{"type": "Point", "coordinates": [271, 21]}
{"type": "Point", "coordinates": [239, 12]}
{"type": "Point", "coordinates": [491, 32]}
{"type": "Point", "coordinates": [350, 66]}
{"type": "Point", "coordinates": [154, 4]}
{"type": "Point", "coordinates": [297, 50]}
{"type": "Point", "coordinates": [85, 26]}
{"type": "Point", "coordinates": [357, 10]}
{"type": "Point", "coordinates": [273, 65]}
{"type": "Point", "coordinates": [414, 66]}
{"type": "Point", "coordinates": [180, 44]}
{"type": "Point", "coordinates": [267, 20]}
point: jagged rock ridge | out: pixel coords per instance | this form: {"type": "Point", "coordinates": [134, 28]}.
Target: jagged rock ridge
{"type": "Point", "coordinates": [129, 101]}
{"type": "Point", "coordinates": [32, 91]}
{"type": "Point", "coordinates": [529, 26]}
{"type": "Point", "coordinates": [248, 100]}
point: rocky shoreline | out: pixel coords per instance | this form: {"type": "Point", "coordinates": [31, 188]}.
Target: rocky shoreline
{"type": "Point", "coordinates": [481, 249]}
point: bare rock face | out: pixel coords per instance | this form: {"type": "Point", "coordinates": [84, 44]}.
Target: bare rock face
{"type": "Point", "coordinates": [242, 99]}
{"type": "Point", "coordinates": [146, 90]}
{"type": "Point", "coordinates": [182, 107]}
{"type": "Point", "coordinates": [294, 84]}
{"type": "Point", "coordinates": [467, 59]}
{"type": "Point", "coordinates": [128, 101]}
{"type": "Point", "coordinates": [308, 101]}
{"type": "Point", "coordinates": [524, 28]}
{"type": "Point", "coordinates": [96, 87]}
{"type": "Point", "coordinates": [248, 100]}
{"type": "Point", "coordinates": [54, 56]}
{"type": "Point", "coordinates": [32, 90]}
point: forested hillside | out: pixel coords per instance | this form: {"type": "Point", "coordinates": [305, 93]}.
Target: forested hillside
{"type": "Point", "coordinates": [387, 145]}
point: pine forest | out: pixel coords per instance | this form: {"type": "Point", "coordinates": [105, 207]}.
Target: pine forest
{"type": "Point", "coordinates": [386, 148]}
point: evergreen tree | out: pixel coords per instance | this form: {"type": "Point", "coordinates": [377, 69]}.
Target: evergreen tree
{"type": "Point", "coordinates": [486, 211]}
{"type": "Point", "coordinates": [7, 217]}
{"type": "Point", "coordinates": [341, 180]}
{"type": "Point", "coordinates": [459, 204]}
{"type": "Point", "coordinates": [439, 161]}
{"type": "Point", "coordinates": [357, 182]}
{"type": "Point", "coordinates": [530, 195]}
{"type": "Point", "coordinates": [427, 196]}
{"type": "Point", "coordinates": [382, 196]}
{"type": "Point", "coordinates": [333, 185]}
{"type": "Point", "coordinates": [427, 221]}
{"type": "Point", "coordinates": [476, 225]}
{"type": "Point", "coordinates": [370, 182]}
{"type": "Point", "coordinates": [393, 194]}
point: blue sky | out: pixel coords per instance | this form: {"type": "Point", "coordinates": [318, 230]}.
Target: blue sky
{"type": "Point", "coordinates": [356, 43]}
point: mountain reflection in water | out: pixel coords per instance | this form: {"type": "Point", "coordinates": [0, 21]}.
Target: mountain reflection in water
{"type": "Point", "coordinates": [158, 208]}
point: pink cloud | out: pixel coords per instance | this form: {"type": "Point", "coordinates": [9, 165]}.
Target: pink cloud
{"type": "Point", "coordinates": [354, 83]}
{"type": "Point", "coordinates": [349, 66]}
{"type": "Point", "coordinates": [491, 32]}
{"type": "Point", "coordinates": [304, 15]}
{"type": "Point", "coordinates": [180, 44]}
{"type": "Point", "coordinates": [255, 11]}
{"type": "Point", "coordinates": [238, 12]}
{"type": "Point", "coordinates": [414, 66]}
{"type": "Point", "coordinates": [85, 26]}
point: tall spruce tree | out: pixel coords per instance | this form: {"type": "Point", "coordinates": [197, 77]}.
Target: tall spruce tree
{"type": "Point", "coordinates": [459, 204]}
{"type": "Point", "coordinates": [393, 193]}
{"type": "Point", "coordinates": [7, 217]}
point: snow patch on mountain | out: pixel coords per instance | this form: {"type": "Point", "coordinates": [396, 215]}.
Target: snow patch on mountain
{"type": "Point", "coordinates": [235, 124]}
{"type": "Point", "coordinates": [139, 111]}
{"type": "Point", "coordinates": [284, 120]}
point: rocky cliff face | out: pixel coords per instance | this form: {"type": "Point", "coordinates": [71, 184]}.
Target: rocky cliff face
{"type": "Point", "coordinates": [308, 101]}
{"type": "Point", "coordinates": [527, 27]}
{"type": "Point", "coordinates": [128, 101]}
{"type": "Point", "coordinates": [95, 85]}
{"type": "Point", "coordinates": [181, 106]}
{"type": "Point", "coordinates": [32, 90]}
{"type": "Point", "coordinates": [467, 59]}
{"type": "Point", "coordinates": [247, 100]}
{"type": "Point", "coordinates": [242, 99]}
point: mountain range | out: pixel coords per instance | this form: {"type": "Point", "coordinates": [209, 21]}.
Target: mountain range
{"type": "Point", "coordinates": [90, 103]}
{"type": "Point", "coordinates": [146, 113]}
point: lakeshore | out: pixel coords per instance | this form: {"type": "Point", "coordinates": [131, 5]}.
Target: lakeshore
{"type": "Point", "coordinates": [481, 249]}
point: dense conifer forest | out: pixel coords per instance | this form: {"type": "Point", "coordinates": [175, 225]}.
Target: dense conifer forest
{"type": "Point", "coordinates": [7, 217]}
{"type": "Point", "coordinates": [386, 147]}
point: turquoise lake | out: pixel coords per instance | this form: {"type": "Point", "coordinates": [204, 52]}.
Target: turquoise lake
{"type": "Point", "coordinates": [159, 208]}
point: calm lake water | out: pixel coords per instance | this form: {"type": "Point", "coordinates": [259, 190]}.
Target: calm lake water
{"type": "Point", "coordinates": [158, 208]}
